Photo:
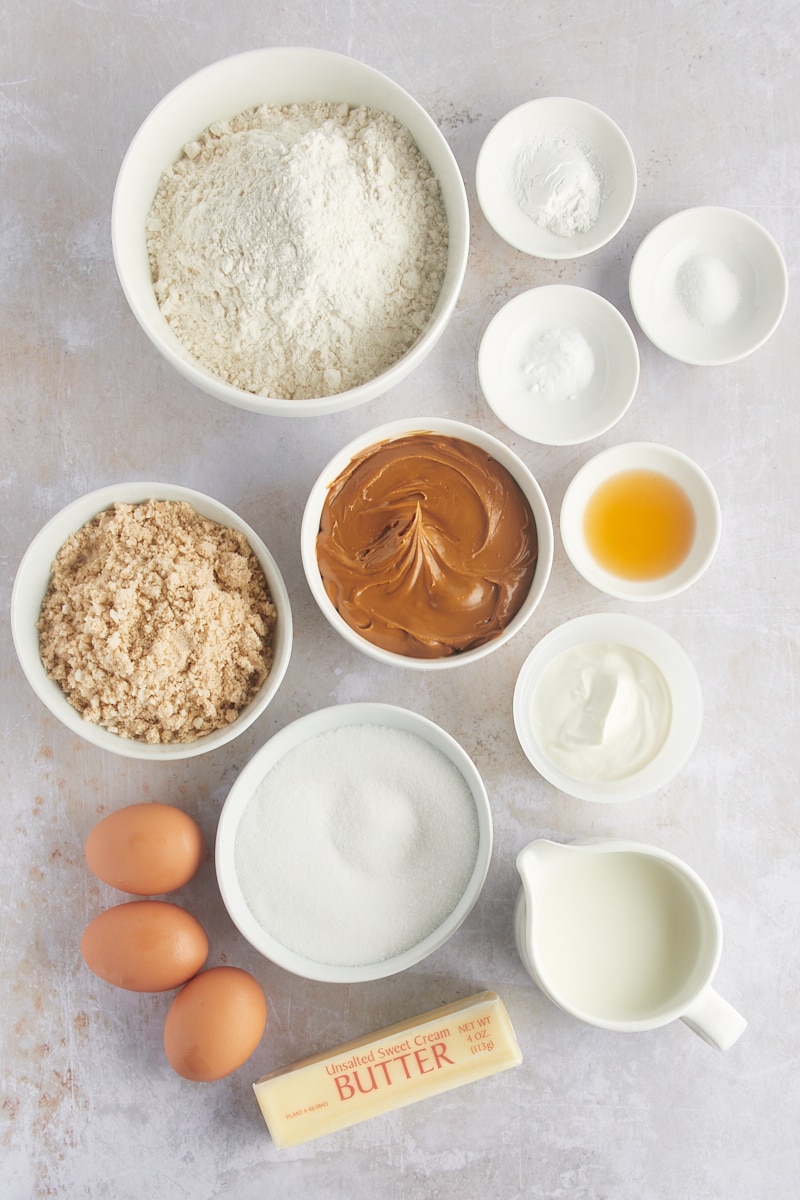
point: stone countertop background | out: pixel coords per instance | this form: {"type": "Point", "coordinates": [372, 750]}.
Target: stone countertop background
{"type": "Point", "coordinates": [708, 94]}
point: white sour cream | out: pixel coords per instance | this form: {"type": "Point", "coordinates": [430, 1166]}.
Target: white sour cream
{"type": "Point", "coordinates": [601, 711]}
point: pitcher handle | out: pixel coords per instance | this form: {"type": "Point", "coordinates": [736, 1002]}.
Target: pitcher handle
{"type": "Point", "coordinates": [714, 1019]}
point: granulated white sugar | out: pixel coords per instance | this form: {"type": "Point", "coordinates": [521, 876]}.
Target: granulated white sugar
{"type": "Point", "coordinates": [357, 844]}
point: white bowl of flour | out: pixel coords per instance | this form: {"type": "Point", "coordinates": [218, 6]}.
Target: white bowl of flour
{"type": "Point", "coordinates": [290, 229]}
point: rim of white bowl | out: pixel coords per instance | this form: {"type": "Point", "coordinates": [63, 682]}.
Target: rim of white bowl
{"type": "Point", "coordinates": [31, 582]}
{"type": "Point", "coordinates": [450, 428]}
{"type": "Point", "coordinates": [294, 734]}
{"type": "Point", "coordinates": [649, 456]}
{"type": "Point", "coordinates": [137, 181]}
{"type": "Point", "coordinates": [681, 677]}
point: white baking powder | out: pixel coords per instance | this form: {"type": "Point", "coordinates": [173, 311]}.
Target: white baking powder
{"type": "Point", "coordinates": [299, 251]}
{"type": "Point", "coordinates": [557, 365]}
{"type": "Point", "coordinates": [557, 181]}
{"type": "Point", "coordinates": [357, 844]}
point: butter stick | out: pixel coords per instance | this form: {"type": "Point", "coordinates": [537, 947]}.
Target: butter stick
{"type": "Point", "coordinates": [417, 1058]}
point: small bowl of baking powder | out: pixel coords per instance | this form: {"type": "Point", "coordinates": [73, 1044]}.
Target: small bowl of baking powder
{"type": "Point", "coordinates": [556, 178]}
{"type": "Point", "coordinates": [290, 229]}
{"type": "Point", "coordinates": [354, 843]}
{"type": "Point", "coordinates": [151, 620]}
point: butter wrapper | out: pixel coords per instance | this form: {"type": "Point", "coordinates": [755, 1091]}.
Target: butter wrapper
{"type": "Point", "coordinates": [413, 1060]}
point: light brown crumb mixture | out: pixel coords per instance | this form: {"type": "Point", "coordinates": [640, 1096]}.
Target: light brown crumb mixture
{"type": "Point", "coordinates": [158, 623]}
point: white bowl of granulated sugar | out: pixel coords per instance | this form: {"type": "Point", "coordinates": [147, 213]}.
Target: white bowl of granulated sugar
{"type": "Point", "coordinates": [290, 229]}
{"type": "Point", "coordinates": [151, 620]}
{"type": "Point", "coordinates": [354, 843]}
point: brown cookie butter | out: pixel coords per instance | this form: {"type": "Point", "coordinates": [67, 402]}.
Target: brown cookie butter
{"type": "Point", "coordinates": [427, 545]}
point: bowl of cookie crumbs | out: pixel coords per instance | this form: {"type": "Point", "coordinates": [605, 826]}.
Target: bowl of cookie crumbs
{"type": "Point", "coordinates": [290, 228]}
{"type": "Point", "coordinates": [151, 620]}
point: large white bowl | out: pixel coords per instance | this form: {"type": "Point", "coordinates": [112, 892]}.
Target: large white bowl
{"type": "Point", "coordinates": [684, 690]}
{"type": "Point", "coordinates": [31, 583]}
{"type": "Point", "coordinates": [295, 734]}
{"type": "Point", "coordinates": [455, 429]}
{"type": "Point", "coordinates": [279, 75]}
{"type": "Point", "coordinates": [648, 456]}
{"type": "Point", "coordinates": [555, 114]}
{"type": "Point", "coordinates": [735, 243]}
{"type": "Point", "coordinates": [567, 420]}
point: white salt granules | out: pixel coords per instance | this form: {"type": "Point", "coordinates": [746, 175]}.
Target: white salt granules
{"type": "Point", "coordinates": [708, 290]}
{"type": "Point", "coordinates": [357, 844]}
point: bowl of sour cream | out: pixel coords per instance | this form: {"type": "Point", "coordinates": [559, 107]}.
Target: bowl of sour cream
{"type": "Point", "coordinates": [608, 707]}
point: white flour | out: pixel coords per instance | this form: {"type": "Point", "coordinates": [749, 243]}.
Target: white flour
{"type": "Point", "coordinates": [558, 183]}
{"type": "Point", "coordinates": [298, 252]}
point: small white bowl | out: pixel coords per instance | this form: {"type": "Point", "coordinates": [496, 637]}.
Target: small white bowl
{"type": "Point", "coordinates": [647, 456]}
{"type": "Point", "coordinates": [33, 578]}
{"type": "Point", "coordinates": [684, 690]}
{"type": "Point", "coordinates": [455, 429]}
{"type": "Point", "coordinates": [544, 415]}
{"type": "Point", "coordinates": [277, 75]}
{"type": "Point", "coordinates": [264, 760]}
{"type": "Point", "coordinates": [593, 131]}
{"type": "Point", "coordinates": [740, 286]}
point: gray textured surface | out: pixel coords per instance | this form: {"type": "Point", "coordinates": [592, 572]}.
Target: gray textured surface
{"type": "Point", "coordinates": [708, 96]}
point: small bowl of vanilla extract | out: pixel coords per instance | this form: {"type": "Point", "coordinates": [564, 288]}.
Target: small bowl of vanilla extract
{"type": "Point", "coordinates": [640, 521]}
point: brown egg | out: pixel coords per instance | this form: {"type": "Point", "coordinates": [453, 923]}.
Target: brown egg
{"type": "Point", "coordinates": [145, 849]}
{"type": "Point", "coordinates": [145, 945]}
{"type": "Point", "coordinates": [214, 1023]}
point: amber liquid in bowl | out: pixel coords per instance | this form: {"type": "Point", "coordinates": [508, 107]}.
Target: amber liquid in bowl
{"type": "Point", "coordinates": [639, 524]}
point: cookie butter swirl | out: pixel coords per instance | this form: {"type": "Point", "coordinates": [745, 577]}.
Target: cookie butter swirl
{"type": "Point", "coordinates": [427, 545]}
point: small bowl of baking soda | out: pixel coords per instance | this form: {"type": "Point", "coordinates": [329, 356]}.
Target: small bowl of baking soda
{"type": "Point", "coordinates": [290, 229]}
{"type": "Point", "coordinates": [708, 286]}
{"type": "Point", "coordinates": [558, 365]}
{"type": "Point", "coordinates": [556, 178]}
{"type": "Point", "coordinates": [354, 843]}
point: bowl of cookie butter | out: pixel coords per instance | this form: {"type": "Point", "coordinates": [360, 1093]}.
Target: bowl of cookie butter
{"type": "Point", "coordinates": [290, 229]}
{"type": "Point", "coordinates": [151, 620]}
{"type": "Point", "coordinates": [426, 543]}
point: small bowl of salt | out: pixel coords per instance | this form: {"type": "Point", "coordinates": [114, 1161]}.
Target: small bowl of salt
{"type": "Point", "coordinates": [708, 286]}
{"type": "Point", "coordinates": [558, 365]}
{"type": "Point", "coordinates": [556, 178]}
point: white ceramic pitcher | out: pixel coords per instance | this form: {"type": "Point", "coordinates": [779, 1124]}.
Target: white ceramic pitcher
{"type": "Point", "coordinates": [622, 935]}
